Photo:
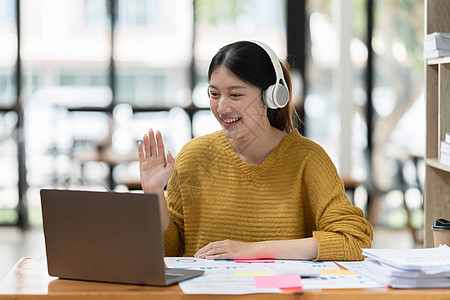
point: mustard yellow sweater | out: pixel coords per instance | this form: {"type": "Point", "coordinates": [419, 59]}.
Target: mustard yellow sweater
{"type": "Point", "coordinates": [295, 193]}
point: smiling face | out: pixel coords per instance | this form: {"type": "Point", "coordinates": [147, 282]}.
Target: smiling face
{"type": "Point", "coordinates": [237, 105]}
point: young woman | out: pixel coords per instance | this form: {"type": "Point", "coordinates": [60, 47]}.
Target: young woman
{"type": "Point", "coordinates": [257, 188]}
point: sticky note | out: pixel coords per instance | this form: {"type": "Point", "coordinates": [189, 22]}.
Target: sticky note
{"type": "Point", "coordinates": [337, 272]}
{"type": "Point", "coordinates": [278, 281]}
{"type": "Point", "coordinates": [253, 261]}
{"type": "Point", "coordinates": [253, 273]}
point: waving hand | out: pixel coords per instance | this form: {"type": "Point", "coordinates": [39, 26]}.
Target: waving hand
{"type": "Point", "coordinates": [155, 169]}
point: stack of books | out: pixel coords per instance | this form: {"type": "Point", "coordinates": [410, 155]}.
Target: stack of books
{"type": "Point", "coordinates": [436, 45]}
{"type": "Point", "coordinates": [444, 157]}
{"type": "Point", "coordinates": [409, 268]}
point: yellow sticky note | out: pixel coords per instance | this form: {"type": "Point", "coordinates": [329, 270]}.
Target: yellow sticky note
{"type": "Point", "coordinates": [337, 272]}
{"type": "Point", "coordinates": [253, 273]}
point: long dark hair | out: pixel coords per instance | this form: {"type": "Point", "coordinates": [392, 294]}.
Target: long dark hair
{"type": "Point", "coordinates": [252, 64]}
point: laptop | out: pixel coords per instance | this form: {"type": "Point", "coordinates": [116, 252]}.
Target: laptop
{"type": "Point", "coordinates": [106, 236]}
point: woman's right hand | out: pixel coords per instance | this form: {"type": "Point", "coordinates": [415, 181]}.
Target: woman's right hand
{"type": "Point", "coordinates": [155, 169]}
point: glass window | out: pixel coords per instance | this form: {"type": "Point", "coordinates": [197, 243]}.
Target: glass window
{"type": "Point", "coordinates": [399, 106]}
{"type": "Point", "coordinates": [65, 56]}
{"type": "Point", "coordinates": [153, 50]}
{"type": "Point", "coordinates": [96, 14]}
{"type": "Point", "coordinates": [8, 119]}
{"type": "Point", "coordinates": [397, 94]}
{"type": "Point", "coordinates": [67, 79]}
{"type": "Point", "coordinates": [204, 122]}
{"type": "Point", "coordinates": [8, 53]}
{"type": "Point", "coordinates": [139, 13]}
{"type": "Point", "coordinates": [322, 107]}
{"type": "Point", "coordinates": [398, 80]}
{"type": "Point", "coordinates": [174, 125]}
{"type": "Point", "coordinates": [8, 162]}
{"type": "Point", "coordinates": [7, 13]}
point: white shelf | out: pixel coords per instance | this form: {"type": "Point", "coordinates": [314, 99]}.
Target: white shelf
{"type": "Point", "coordinates": [434, 162]}
{"type": "Point", "coordinates": [440, 60]}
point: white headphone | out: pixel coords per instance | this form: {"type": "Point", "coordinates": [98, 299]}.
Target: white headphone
{"type": "Point", "coordinates": [276, 95]}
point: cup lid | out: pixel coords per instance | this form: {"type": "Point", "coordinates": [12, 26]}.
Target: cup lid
{"type": "Point", "coordinates": [441, 224]}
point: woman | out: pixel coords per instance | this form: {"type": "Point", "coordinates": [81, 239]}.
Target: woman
{"type": "Point", "coordinates": [257, 188]}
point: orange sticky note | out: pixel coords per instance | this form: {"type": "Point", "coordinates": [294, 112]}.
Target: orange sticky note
{"type": "Point", "coordinates": [337, 272]}
{"type": "Point", "coordinates": [278, 281]}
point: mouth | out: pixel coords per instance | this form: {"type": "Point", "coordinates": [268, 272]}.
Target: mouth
{"type": "Point", "coordinates": [228, 122]}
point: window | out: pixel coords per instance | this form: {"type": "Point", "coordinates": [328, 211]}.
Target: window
{"type": "Point", "coordinates": [138, 13]}
{"type": "Point", "coordinates": [96, 13]}
{"type": "Point", "coordinates": [153, 62]}
{"type": "Point", "coordinates": [398, 97]}
{"type": "Point", "coordinates": [8, 54]}
{"type": "Point", "coordinates": [397, 93]}
{"type": "Point", "coordinates": [65, 61]}
{"type": "Point", "coordinates": [8, 117]}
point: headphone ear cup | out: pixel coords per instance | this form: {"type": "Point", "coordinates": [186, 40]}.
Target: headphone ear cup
{"type": "Point", "coordinates": [268, 97]}
{"type": "Point", "coordinates": [276, 96]}
{"type": "Point", "coordinates": [280, 96]}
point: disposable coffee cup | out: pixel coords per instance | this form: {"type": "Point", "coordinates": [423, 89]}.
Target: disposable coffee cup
{"type": "Point", "coordinates": [441, 232]}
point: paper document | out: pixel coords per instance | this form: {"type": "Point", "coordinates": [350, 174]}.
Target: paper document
{"type": "Point", "coordinates": [429, 260]}
{"type": "Point", "coordinates": [276, 267]}
{"type": "Point", "coordinates": [231, 277]}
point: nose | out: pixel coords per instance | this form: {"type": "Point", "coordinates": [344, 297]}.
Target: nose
{"type": "Point", "coordinates": [223, 105]}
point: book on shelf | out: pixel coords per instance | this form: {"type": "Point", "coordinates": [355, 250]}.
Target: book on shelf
{"type": "Point", "coordinates": [436, 53]}
{"type": "Point", "coordinates": [445, 147]}
{"type": "Point", "coordinates": [436, 40]}
{"type": "Point", "coordinates": [436, 45]}
{"type": "Point", "coordinates": [444, 155]}
{"type": "Point", "coordinates": [445, 158]}
{"type": "Point", "coordinates": [408, 268]}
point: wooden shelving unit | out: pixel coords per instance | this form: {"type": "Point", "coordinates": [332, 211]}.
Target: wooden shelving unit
{"type": "Point", "coordinates": [437, 93]}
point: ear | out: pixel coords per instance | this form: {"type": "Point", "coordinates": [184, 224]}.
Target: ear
{"type": "Point", "coordinates": [263, 100]}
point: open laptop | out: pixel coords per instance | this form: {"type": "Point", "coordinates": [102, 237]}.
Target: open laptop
{"type": "Point", "coordinates": [106, 236]}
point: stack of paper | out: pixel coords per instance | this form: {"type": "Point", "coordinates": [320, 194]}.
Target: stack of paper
{"type": "Point", "coordinates": [409, 268]}
{"type": "Point", "coordinates": [436, 45]}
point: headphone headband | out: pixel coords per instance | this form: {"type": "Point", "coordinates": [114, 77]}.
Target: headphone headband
{"type": "Point", "coordinates": [276, 95]}
{"type": "Point", "coordinates": [274, 59]}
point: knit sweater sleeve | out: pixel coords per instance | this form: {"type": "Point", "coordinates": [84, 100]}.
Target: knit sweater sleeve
{"type": "Point", "coordinates": [339, 227]}
{"type": "Point", "coordinates": [174, 234]}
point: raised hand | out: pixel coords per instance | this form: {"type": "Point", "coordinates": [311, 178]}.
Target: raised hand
{"type": "Point", "coordinates": [155, 169]}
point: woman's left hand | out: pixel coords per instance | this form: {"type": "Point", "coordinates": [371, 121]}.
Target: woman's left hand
{"type": "Point", "coordinates": [229, 249]}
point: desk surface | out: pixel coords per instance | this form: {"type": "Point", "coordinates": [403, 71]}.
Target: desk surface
{"type": "Point", "coordinates": [29, 279]}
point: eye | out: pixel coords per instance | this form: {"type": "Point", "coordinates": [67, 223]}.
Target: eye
{"type": "Point", "coordinates": [235, 95]}
{"type": "Point", "coordinates": [213, 95]}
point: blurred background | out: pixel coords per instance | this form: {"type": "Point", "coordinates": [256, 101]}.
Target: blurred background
{"type": "Point", "coordinates": [81, 81]}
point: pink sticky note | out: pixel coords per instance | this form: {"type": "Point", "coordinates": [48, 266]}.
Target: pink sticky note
{"type": "Point", "coordinates": [253, 261]}
{"type": "Point", "coordinates": [278, 281]}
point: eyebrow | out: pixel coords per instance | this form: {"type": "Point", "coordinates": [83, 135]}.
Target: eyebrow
{"type": "Point", "coordinates": [230, 88]}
